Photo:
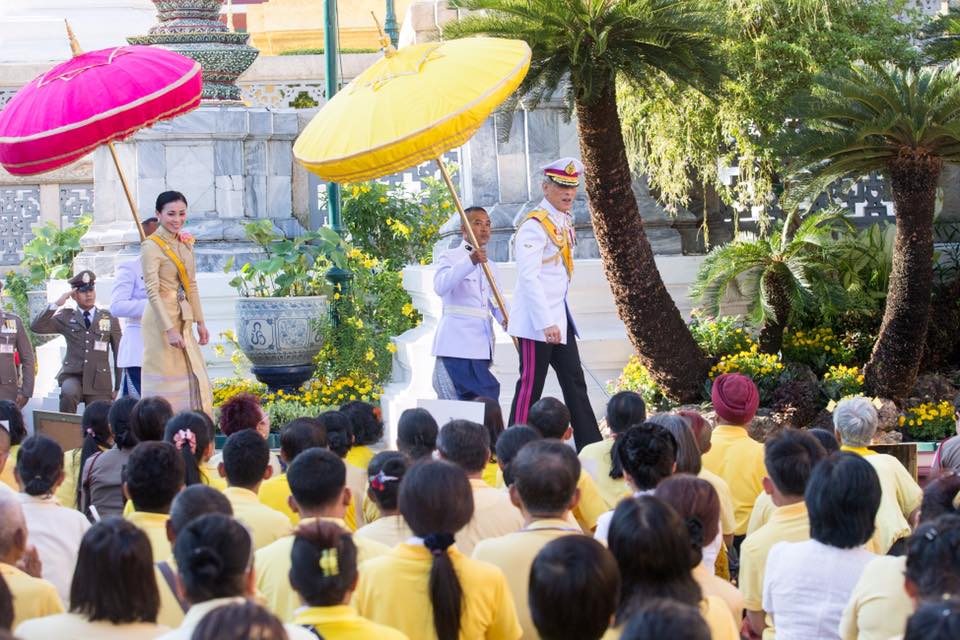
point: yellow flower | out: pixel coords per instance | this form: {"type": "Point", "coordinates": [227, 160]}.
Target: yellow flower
{"type": "Point", "coordinates": [392, 348]}
{"type": "Point", "coordinates": [369, 355]}
{"type": "Point", "coordinates": [355, 191]}
{"type": "Point", "coordinates": [383, 200]}
{"type": "Point", "coordinates": [407, 309]}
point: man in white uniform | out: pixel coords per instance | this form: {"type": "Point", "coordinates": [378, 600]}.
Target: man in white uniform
{"type": "Point", "coordinates": [539, 316]}
{"type": "Point", "coordinates": [128, 301]}
{"type": "Point", "coordinates": [464, 340]}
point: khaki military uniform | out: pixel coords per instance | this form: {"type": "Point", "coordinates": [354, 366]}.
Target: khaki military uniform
{"type": "Point", "coordinates": [86, 373]}
{"type": "Point", "coordinates": [14, 340]}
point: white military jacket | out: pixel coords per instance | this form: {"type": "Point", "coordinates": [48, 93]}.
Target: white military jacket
{"type": "Point", "coordinates": [128, 301]}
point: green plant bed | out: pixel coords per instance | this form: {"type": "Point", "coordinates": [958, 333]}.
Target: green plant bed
{"type": "Point", "coordinates": [319, 51]}
{"type": "Point", "coordinates": [273, 440]}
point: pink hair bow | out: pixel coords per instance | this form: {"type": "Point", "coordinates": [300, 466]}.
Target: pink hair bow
{"type": "Point", "coordinates": [185, 436]}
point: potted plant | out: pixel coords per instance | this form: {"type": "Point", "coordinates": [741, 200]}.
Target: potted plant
{"type": "Point", "coordinates": [48, 256]}
{"type": "Point", "coordinates": [281, 297]}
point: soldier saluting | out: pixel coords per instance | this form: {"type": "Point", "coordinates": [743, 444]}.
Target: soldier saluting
{"type": "Point", "coordinates": [90, 334]}
{"type": "Point", "coordinates": [16, 352]}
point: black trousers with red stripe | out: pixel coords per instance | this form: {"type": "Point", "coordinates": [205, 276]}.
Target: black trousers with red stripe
{"type": "Point", "coordinates": [535, 358]}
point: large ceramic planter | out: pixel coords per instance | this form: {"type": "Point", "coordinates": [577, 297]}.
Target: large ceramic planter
{"type": "Point", "coordinates": [36, 303]}
{"type": "Point", "coordinates": [280, 337]}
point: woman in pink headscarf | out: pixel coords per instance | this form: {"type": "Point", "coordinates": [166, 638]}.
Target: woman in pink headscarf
{"type": "Point", "coordinates": [734, 455]}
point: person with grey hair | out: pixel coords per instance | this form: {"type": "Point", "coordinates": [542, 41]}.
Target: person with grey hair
{"type": "Point", "coordinates": [33, 597]}
{"type": "Point", "coordinates": [855, 422]}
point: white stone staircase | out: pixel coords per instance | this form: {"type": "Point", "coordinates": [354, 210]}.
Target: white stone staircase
{"type": "Point", "coordinates": [604, 347]}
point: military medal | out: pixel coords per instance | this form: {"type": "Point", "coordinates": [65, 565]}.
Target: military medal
{"type": "Point", "coordinates": [104, 324]}
{"type": "Point", "coordinates": [9, 326]}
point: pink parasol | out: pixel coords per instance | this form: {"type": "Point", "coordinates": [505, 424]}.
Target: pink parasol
{"type": "Point", "coordinates": [92, 99]}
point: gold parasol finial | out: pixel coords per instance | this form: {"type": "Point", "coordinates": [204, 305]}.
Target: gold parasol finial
{"type": "Point", "coordinates": [385, 44]}
{"type": "Point", "coordinates": [74, 45]}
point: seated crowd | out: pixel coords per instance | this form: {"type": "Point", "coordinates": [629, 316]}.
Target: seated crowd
{"type": "Point", "coordinates": [670, 528]}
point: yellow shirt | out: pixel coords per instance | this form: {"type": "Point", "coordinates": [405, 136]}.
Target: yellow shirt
{"type": "Point", "coordinates": [763, 508]}
{"type": "Point", "coordinates": [275, 493]}
{"type": "Point", "coordinates": [67, 491]}
{"type": "Point", "coordinates": [900, 495]}
{"type": "Point", "coordinates": [357, 482]}
{"type": "Point", "coordinates": [211, 480]}
{"type": "Point", "coordinates": [342, 623]}
{"type": "Point", "coordinates": [728, 520]}
{"type": "Point", "coordinates": [712, 585]}
{"type": "Point", "coordinates": [387, 530]}
{"type": "Point", "coordinates": [493, 516]}
{"type": "Point", "coordinates": [721, 624]}
{"type": "Point", "coordinates": [591, 505]}
{"type": "Point", "coordinates": [789, 523]}
{"type": "Point", "coordinates": [265, 524]}
{"type": "Point", "coordinates": [360, 457]}
{"type": "Point", "coordinates": [738, 459]}
{"type": "Point", "coordinates": [272, 564]}
{"type": "Point", "coordinates": [393, 591]}
{"type": "Point", "coordinates": [371, 512]}
{"type": "Point", "coordinates": [492, 475]}
{"type": "Point", "coordinates": [155, 526]}
{"type": "Point", "coordinates": [879, 605]}
{"type": "Point", "coordinates": [595, 460]}
{"type": "Point", "coordinates": [78, 627]}
{"type": "Point", "coordinates": [32, 597]}
{"type": "Point", "coordinates": [171, 613]}
{"type": "Point", "coordinates": [6, 474]}
{"type": "Point", "coordinates": [514, 554]}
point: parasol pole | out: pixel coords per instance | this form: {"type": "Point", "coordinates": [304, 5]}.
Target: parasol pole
{"type": "Point", "coordinates": [76, 50]}
{"type": "Point", "coordinates": [473, 241]}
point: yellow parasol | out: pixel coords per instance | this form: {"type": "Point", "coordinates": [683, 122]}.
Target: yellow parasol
{"type": "Point", "coordinates": [411, 106]}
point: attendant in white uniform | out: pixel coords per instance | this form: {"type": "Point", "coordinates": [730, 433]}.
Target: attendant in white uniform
{"type": "Point", "coordinates": [464, 341]}
{"type": "Point", "coordinates": [128, 301]}
{"type": "Point", "coordinates": [540, 316]}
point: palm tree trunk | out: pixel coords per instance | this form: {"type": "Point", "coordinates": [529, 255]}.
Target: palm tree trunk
{"type": "Point", "coordinates": [771, 334]}
{"type": "Point", "coordinates": [654, 325]}
{"type": "Point", "coordinates": [895, 360]}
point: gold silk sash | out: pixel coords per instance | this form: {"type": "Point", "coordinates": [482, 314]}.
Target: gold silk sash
{"type": "Point", "coordinates": [557, 236]}
{"type": "Point", "coordinates": [181, 269]}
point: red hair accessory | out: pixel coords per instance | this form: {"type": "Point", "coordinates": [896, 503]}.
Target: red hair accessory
{"type": "Point", "coordinates": [378, 414]}
{"type": "Point", "coordinates": [378, 482]}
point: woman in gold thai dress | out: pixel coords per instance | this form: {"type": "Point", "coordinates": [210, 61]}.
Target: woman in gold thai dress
{"type": "Point", "coordinates": [173, 366]}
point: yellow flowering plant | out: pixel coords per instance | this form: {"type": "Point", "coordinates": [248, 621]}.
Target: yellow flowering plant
{"type": "Point", "coordinates": [819, 348]}
{"type": "Point", "coordinates": [930, 421]}
{"type": "Point", "coordinates": [636, 378]}
{"type": "Point", "coordinates": [764, 368]}
{"type": "Point", "coordinates": [841, 381]}
{"type": "Point", "coordinates": [720, 336]}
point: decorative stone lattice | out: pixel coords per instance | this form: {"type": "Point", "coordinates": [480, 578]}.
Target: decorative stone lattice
{"type": "Point", "coordinates": [19, 210]}
{"type": "Point", "coordinates": [76, 201]}
{"type": "Point", "coordinates": [295, 95]}
{"type": "Point", "coordinates": [193, 28]}
{"type": "Point", "coordinates": [6, 94]}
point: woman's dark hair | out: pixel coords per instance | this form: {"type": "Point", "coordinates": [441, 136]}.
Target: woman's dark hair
{"type": "Point", "coordinates": [95, 426]}
{"type": "Point", "coordinates": [214, 553]}
{"type": "Point", "coordinates": [933, 558]}
{"type": "Point", "coordinates": [688, 452]}
{"type": "Point", "coordinates": [167, 197]}
{"type": "Point", "coordinates": [149, 417]}
{"type": "Point", "coordinates": [493, 421]}
{"type": "Point", "coordinates": [624, 410]}
{"type": "Point", "coordinates": [39, 464]}
{"type": "Point", "coordinates": [153, 476]}
{"type": "Point", "coordinates": [842, 498]}
{"type": "Point", "coordinates": [827, 439]}
{"type": "Point", "coordinates": [790, 457]}
{"type": "Point", "coordinates": [417, 433]}
{"type": "Point", "coordinates": [113, 580]}
{"type": "Point", "coordinates": [11, 414]}
{"type": "Point", "coordinates": [697, 502]}
{"type": "Point", "coordinates": [339, 431]}
{"type": "Point", "coordinates": [323, 567]}
{"type": "Point", "coordinates": [436, 501]}
{"type": "Point", "coordinates": [659, 618]}
{"type": "Point", "coordinates": [509, 445]}
{"type": "Point", "coordinates": [939, 497]}
{"type": "Point", "coordinates": [939, 620]}
{"type": "Point", "coordinates": [240, 412]}
{"type": "Point", "coordinates": [191, 432]}
{"type": "Point", "coordinates": [193, 502]}
{"type": "Point", "coordinates": [647, 452]}
{"type": "Point", "coordinates": [240, 621]}
{"type": "Point", "coordinates": [119, 418]}
{"type": "Point", "coordinates": [385, 472]}
{"type": "Point", "coordinates": [653, 549]}
{"type": "Point", "coordinates": [301, 434]}
{"type": "Point", "coordinates": [574, 589]}
{"type": "Point", "coordinates": [6, 605]}
{"type": "Point", "coordinates": [366, 422]}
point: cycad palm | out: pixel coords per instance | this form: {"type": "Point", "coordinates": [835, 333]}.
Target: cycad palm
{"type": "Point", "coordinates": [775, 273]}
{"type": "Point", "coordinates": [592, 44]}
{"type": "Point", "coordinates": [905, 123]}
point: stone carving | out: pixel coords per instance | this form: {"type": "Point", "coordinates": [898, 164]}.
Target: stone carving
{"type": "Point", "coordinates": [76, 201]}
{"type": "Point", "coordinates": [294, 95]}
{"type": "Point", "coordinates": [19, 210]}
{"type": "Point", "coordinates": [193, 28]}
